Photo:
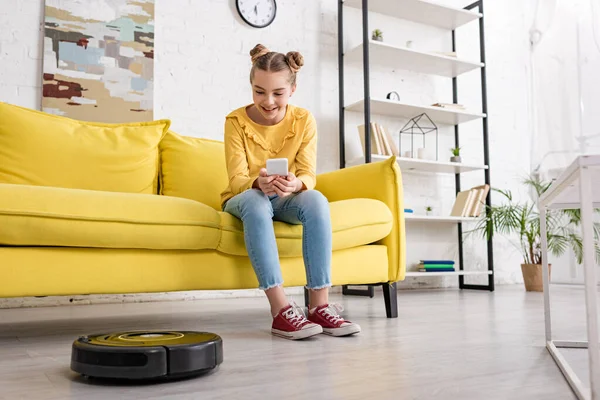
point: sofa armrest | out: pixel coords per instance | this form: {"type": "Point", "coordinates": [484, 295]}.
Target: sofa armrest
{"type": "Point", "coordinates": [380, 181]}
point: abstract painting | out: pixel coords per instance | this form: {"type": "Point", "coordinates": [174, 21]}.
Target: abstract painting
{"type": "Point", "coordinates": [99, 59]}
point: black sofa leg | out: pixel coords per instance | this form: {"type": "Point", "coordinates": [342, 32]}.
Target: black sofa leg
{"type": "Point", "coordinates": [390, 295]}
{"type": "Point", "coordinates": [369, 291]}
{"type": "Point", "coordinates": [306, 298]}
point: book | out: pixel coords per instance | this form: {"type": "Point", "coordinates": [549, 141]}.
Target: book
{"type": "Point", "coordinates": [386, 146]}
{"type": "Point", "coordinates": [391, 142]}
{"type": "Point", "coordinates": [461, 204]}
{"type": "Point", "coordinates": [474, 203]}
{"type": "Point", "coordinates": [361, 134]}
{"type": "Point", "coordinates": [449, 264]}
{"type": "Point", "coordinates": [439, 262]}
{"type": "Point", "coordinates": [375, 135]}
{"type": "Point", "coordinates": [470, 203]}
{"type": "Point", "coordinates": [449, 105]}
{"type": "Point", "coordinates": [480, 203]}
{"type": "Point", "coordinates": [437, 270]}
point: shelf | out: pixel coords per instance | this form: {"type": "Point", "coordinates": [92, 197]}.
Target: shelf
{"type": "Point", "coordinates": [455, 273]}
{"type": "Point", "coordinates": [399, 109]}
{"type": "Point", "coordinates": [436, 218]}
{"type": "Point", "coordinates": [412, 60]}
{"type": "Point", "coordinates": [416, 164]}
{"type": "Point", "coordinates": [423, 12]}
{"type": "Point", "coordinates": [424, 60]}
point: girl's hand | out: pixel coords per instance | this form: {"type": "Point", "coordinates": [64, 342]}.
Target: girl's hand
{"type": "Point", "coordinates": [265, 182]}
{"type": "Point", "coordinates": [284, 186]}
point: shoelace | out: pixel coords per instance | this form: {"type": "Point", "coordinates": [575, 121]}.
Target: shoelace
{"type": "Point", "coordinates": [331, 313]}
{"type": "Point", "coordinates": [295, 315]}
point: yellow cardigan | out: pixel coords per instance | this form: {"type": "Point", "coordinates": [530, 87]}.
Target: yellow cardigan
{"type": "Point", "coordinates": [249, 145]}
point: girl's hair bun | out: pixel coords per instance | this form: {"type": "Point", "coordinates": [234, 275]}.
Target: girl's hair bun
{"type": "Point", "coordinates": [258, 51]}
{"type": "Point", "coordinates": [295, 60]}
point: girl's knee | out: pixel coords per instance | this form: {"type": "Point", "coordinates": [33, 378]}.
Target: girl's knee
{"type": "Point", "coordinates": [315, 202]}
{"type": "Point", "coordinates": [255, 201]}
{"type": "Point", "coordinates": [316, 198]}
{"type": "Point", "coordinates": [253, 195]}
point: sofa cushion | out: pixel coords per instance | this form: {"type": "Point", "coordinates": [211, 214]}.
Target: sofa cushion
{"type": "Point", "coordinates": [49, 150]}
{"type": "Point", "coordinates": [46, 216]}
{"type": "Point", "coordinates": [354, 223]}
{"type": "Point", "coordinates": [193, 168]}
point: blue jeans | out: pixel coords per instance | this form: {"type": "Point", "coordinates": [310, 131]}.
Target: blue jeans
{"type": "Point", "coordinates": [309, 208]}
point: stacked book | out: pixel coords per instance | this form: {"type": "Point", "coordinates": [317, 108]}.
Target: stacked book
{"type": "Point", "coordinates": [382, 142]}
{"type": "Point", "coordinates": [436, 266]}
{"type": "Point", "coordinates": [453, 106]}
{"type": "Point", "coordinates": [470, 203]}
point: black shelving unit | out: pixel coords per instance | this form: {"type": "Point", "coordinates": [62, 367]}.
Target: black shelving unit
{"type": "Point", "coordinates": [369, 289]}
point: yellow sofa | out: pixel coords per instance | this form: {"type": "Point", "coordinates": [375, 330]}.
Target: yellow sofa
{"type": "Point", "coordinates": [91, 208]}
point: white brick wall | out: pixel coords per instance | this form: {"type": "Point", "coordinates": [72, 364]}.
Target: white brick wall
{"type": "Point", "coordinates": [201, 73]}
{"type": "Point", "coordinates": [20, 52]}
{"type": "Point", "coordinates": [202, 64]}
{"type": "Point", "coordinates": [202, 61]}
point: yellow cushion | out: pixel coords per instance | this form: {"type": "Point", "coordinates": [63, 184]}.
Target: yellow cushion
{"type": "Point", "coordinates": [193, 168]}
{"type": "Point", "coordinates": [354, 223]}
{"type": "Point", "coordinates": [46, 216]}
{"type": "Point", "coordinates": [48, 271]}
{"type": "Point", "coordinates": [48, 150]}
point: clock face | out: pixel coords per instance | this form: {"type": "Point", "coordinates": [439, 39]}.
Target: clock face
{"type": "Point", "coordinates": [257, 13]}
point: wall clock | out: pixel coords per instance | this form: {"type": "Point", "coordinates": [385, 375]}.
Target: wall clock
{"type": "Point", "coordinates": [257, 13]}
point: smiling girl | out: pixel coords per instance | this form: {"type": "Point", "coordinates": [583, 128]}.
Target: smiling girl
{"type": "Point", "coordinates": [272, 128]}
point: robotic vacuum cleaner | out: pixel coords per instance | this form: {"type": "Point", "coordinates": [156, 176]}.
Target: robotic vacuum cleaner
{"type": "Point", "coordinates": [146, 354]}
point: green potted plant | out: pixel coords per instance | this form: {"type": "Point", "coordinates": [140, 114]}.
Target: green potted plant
{"type": "Point", "coordinates": [522, 220]}
{"type": "Point", "coordinates": [428, 210]}
{"type": "Point", "coordinates": [377, 35]}
{"type": "Point", "coordinates": [455, 155]}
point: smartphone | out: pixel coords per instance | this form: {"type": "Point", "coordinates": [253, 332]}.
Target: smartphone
{"type": "Point", "coordinates": [277, 166]}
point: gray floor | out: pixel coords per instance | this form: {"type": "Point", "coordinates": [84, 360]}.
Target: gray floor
{"type": "Point", "coordinates": [446, 344]}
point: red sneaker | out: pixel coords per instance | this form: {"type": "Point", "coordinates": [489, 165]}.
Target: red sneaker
{"type": "Point", "coordinates": [291, 323]}
{"type": "Point", "coordinates": [327, 316]}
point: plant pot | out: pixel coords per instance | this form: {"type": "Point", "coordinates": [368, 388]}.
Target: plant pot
{"type": "Point", "coordinates": [377, 38]}
{"type": "Point", "coordinates": [532, 275]}
{"type": "Point", "coordinates": [456, 159]}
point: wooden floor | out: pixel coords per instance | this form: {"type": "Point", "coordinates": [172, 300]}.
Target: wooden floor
{"type": "Point", "coordinates": [446, 344]}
